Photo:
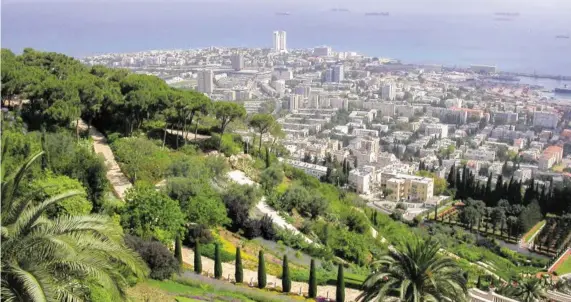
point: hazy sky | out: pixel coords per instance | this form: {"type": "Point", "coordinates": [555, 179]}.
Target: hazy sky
{"type": "Point", "coordinates": [521, 6]}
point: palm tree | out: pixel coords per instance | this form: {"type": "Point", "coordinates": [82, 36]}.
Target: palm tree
{"type": "Point", "coordinates": [530, 290]}
{"type": "Point", "coordinates": [60, 259]}
{"type": "Point", "coordinates": [416, 274]}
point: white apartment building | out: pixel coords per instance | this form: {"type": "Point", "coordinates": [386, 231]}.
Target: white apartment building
{"type": "Point", "coordinates": [501, 118]}
{"type": "Point", "coordinates": [310, 169]}
{"type": "Point", "coordinates": [205, 81]}
{"type": "Point", "coordinates": [388, 92]}
{"type": "Point", "coordinates": [282, 73]}
{"type": "Point", "coordinates": [294, 102]}
{"type": "Point", "coordinates": [279, 86]}
{"type": "Point", "coordinates": [407, 187]}
{"type": "Point", "coordinates": [365, 132]}
{"type": "Point", "coordinates": [480, 154]}
{"type": "Point", "coordinates": [280, 41]}
{"type": "Point", "coordinates": [436, 130]}
{"type": "Point", "coordinates": [304, 90]}
{"type": "Point", "coordinates": [522, 174]}
{"type": "Point", "coordinates": [362, 179]}
{"type": "Point", "coordinates": [545, 119]}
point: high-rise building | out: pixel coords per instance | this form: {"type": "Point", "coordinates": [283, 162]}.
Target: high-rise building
{"type": "Point", "coordinates": [294, 101]}
{"type": "Point", "coordinates": [303, 90]}
{"type": "Point", "coordinates": [388, 92]}
{"type": "Point", "coordinates": [237, 61]}
{"type": "Point", "coordinates": [280, 41]}
{"type": "Point", "coordinates": [322, 51]}
{"type": "Point", "coordinates": [334, 74]}
{"type": "Point", "coordinates": [205, 83]}
{"type": "Point", "coordinates": [338, 73]}
{"type": "Point", "coordinates": [328, 75]}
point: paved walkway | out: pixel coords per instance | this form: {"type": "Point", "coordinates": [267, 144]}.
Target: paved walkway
{"type": "Point", "coordinates": [116, 177]}
{"type": "Point", "coordinates": [228, 269]}
{"type": "Point", "coordinates": [242, 179]}
{"type": "Point", "coordinates": [190, 136]}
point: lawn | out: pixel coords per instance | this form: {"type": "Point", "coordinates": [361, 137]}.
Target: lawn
{"type": "Point", "coordinates": [564, 268]}
{"type": "Point", "coordinates": [533, 230]}
{"type": "Point", "coordinates": [185, 290]}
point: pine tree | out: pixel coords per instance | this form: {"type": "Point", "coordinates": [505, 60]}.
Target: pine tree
{"type": "Point", "coordinates": [261, 270]}
{"type": "Point", "coordinates": [340, 290]}
{"type": "Point", "coordinates": [197, 258]}
{"type": "Point", "coordinates": [217, 262]}
{"type": "Point", "coordinates": [286, 282]}
{"type": "Point", "coordinates": [239, 274]}
{"type": "Point", "coordinates": [178, 250]}
{"type": "Point", "coordinates": [312, 280]}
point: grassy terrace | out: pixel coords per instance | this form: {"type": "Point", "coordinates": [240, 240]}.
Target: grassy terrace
{"type": "Point", "coordinates": [186, 289]}
{"type": "Point", "coordinates": [533, 230]}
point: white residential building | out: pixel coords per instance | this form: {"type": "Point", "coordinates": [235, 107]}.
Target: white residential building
{"type": "Point", "coordinates": [480, 154]}
{"type": "Point", "coordinates": [205, 81]}
{"type": "Point", "coordinates": [545, 119]}
{"type": "Point", "coordinates": [294, 101]}
{"type": "Point", "coordinates": [311, 169]}
{"type": "Point", "coordinates": [436, 130]}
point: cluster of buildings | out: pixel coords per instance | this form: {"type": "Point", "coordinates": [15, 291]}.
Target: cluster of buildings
{"type": "Point", "coordinates": [382, 116]}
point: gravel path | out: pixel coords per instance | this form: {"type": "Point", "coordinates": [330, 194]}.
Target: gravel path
{"type": "Point", "coordinates": [116, 177]}
{"type": "Point", "coordinates": [228, 269]}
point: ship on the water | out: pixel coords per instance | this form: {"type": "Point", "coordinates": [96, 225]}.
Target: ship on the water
{"type": "Point", "coordinates": [562, 37]}
{"type": "Point", "coordinates": [283, 13]}
{"type": "Point", "coordinates": [507, 14]}
{"type": "Point", "coordinates": [565, 89]}
{"type": "Point", "coordinates": [342, 10]}
{"type": "Point", "coordinates": [384, 14]}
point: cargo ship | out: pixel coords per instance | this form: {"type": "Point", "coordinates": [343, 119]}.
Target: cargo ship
{"type": "Point", "coordinates": [283, 13]}
{"type": "Point", "coordinates": [562, 37]}
{"type": "Point", "coordinates": [384, 14]}
{"type": "Point", "coordinates": [565, 89]}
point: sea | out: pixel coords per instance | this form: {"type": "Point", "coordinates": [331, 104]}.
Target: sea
{"type": "Point", "coordinates": [522, 43]}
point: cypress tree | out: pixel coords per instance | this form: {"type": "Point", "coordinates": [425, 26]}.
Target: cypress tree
{"type": "Point", "coordinates": [312, 280]}
{"type": "Point", "coordinates": [217, 262]}
{"type": "Point", "coordinates": [499, 191]}
{"type": "Point", "coordinates": [268, 161]}
{"type": "Point", "coordinates": [340, 291]}
{"type": "Point", "coordinates": [178, 250]}
{"type": "Point", "coordinates": [286, 282]}
{"type": "Point", "coordinates": [326, 235]}
{"type": "Point", "coordinates": [261, 270]}
{"type": "Point", "coordinates": [479, 283]}
{"type": "Point", "coordinates": [452, 177]}
{"type": "Point", "coordinates": [529, 193]}
{"type": "Point", "coordinates": [488, 198]}
{"type": "Point", "coordinates": [239, 274]}
{"type": "Point", "coordinates": [197, 258]}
